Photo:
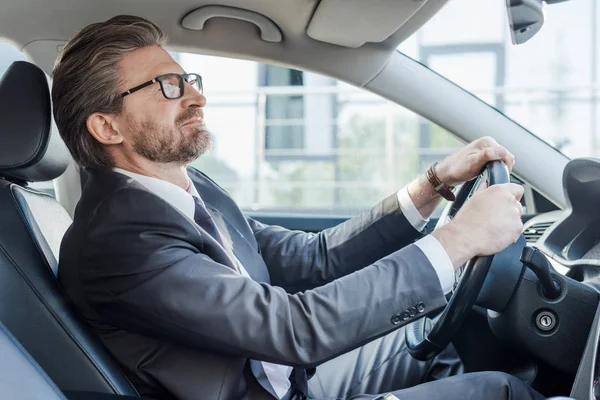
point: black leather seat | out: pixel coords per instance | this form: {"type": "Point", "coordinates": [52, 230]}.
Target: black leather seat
{"type": "Point", "coordinates": [32, 304]}
{"type": "Point", "coordinates": [20, 376]}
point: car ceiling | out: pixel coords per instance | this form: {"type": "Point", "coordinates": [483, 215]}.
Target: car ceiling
{"type": "Point", "coordinates": [338, 29]}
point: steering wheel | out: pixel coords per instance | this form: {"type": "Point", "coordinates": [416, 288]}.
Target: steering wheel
{"type": "Point", "coordinates": [425, 339]}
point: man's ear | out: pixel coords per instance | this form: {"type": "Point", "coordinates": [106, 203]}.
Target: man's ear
{"type": "Point", "coordinates": [104, 128]}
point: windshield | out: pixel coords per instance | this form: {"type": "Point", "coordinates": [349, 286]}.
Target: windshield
{"type": "Point", "coordinates": [549, 85]}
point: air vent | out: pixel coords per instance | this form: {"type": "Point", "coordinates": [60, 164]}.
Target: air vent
{"type": "Point", "coordinates": [535, 231]}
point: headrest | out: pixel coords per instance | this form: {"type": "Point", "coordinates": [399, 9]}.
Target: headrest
{"type": "Point", "coordinates": [30, 148]}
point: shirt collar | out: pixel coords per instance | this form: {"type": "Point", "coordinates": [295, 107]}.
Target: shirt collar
{"type": "Point", "coordinates": [174, 195]}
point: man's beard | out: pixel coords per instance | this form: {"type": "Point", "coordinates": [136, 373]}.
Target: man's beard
{"type": "Point", "coordinates": [171, 145]}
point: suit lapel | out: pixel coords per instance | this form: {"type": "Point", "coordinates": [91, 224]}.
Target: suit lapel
{"type": "Point", "coordinates": [230, 218]}
{"type": "Point", "coordinates": [107, 178]}
{"type": "Point", "coordinates": [227, 247]}
{"type": "Point", "coordinates": [243, 250]}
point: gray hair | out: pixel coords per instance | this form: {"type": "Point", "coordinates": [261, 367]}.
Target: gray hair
{"type": "Point", "coordinates": [86, 80]}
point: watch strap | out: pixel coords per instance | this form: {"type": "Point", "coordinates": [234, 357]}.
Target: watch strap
{"type": "Point", "coordinates": [441, 188]}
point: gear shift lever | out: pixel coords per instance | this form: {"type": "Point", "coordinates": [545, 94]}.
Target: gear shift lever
{"type": "Point", "coordinates": [537, 262]}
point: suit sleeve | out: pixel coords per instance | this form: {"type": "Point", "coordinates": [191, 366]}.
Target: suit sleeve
{"type": "Point", "coordinates": [298, 260]}
{"type": "Point", "coordinates": [140, 272]}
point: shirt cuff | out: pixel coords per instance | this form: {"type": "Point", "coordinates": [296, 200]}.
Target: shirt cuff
{"type": "Point", "coordinates": [410, 211]}
{"type": "Point", "coordinates": [439, 259]}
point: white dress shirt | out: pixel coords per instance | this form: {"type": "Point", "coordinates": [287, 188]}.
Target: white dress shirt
{"type": "Point", "coordinates": [430, 246]}
{"type": "Point", "coordinates": [278, 375]}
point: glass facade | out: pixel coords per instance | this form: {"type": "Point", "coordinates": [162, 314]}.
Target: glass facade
{"type": "Point", "coordinates": [549, 84]}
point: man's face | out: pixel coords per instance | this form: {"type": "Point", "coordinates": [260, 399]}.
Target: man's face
{"type": "Point", "coordinates": [156, 128]}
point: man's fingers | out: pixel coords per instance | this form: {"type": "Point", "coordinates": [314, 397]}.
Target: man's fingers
{"type": "Point", "coordinates": [493, 153]}
{"type": "Point", "coordinates": [519, 207]}
{"type": "Point", "coordinates": [486, 141]}
{"type": "Point", "coordinates": [497, 153]}
{"type": "Point", "coordinates": [509, 160]}
{"type": "Point", "coordinates": [516, 190]}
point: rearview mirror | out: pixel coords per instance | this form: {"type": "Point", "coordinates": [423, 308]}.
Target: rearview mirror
{"type": "Point", "coordinates": [526, 18]}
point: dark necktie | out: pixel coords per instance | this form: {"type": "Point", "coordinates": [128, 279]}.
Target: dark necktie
{"type": "Point", "coordinates": [206, 221]}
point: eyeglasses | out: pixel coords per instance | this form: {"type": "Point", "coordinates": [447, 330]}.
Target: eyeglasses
{"type": "Point", "coordinates": [172, 85]}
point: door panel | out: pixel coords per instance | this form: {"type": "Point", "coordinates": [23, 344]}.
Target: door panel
{"type": "Point", "coordinates": [298, 222]}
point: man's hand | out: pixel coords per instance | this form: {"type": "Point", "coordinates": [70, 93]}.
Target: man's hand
{"type": "Point", "coordinates": [456, 169]}
{"type": "Point", "coordinates": [488, 222]}
{"type": "Point", "coordinates": [467, 163]}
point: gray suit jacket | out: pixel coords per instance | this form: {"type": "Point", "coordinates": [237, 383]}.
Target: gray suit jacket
{"type": "Point", "coordinates": [167, 300]}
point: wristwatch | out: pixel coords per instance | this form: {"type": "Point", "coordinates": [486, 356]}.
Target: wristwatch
{"type": "Point", "coordinates": [441, 188]}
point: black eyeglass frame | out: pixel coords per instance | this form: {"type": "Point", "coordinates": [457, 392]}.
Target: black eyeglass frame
{"type": "Point", "coordinates": [160, 78]}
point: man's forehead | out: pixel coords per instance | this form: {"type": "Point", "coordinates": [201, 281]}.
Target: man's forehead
{"type": "Point", "coordinates": [147, 63]}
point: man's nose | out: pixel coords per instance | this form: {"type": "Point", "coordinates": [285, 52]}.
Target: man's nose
{"type": "Point", "coordinates": [192, 97]}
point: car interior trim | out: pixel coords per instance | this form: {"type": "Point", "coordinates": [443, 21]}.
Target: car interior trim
{"type": "Point", "coordinates": [196, 20]}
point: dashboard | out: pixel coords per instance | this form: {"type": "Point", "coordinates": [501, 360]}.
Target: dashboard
{"type": "Point", "coordinates": [535, 233]}
{"type": "Point", "coordinates": [570, 239]}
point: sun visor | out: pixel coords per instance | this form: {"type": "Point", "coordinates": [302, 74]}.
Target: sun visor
{"type": "Point", "coordinates": [352, 23]}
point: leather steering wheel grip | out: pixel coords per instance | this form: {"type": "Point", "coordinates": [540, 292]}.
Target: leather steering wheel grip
{"type": "Point", "coordinates": [426, 339]}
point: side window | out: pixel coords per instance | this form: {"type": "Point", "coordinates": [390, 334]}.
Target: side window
{"type": "Point", "coordinates": [291, 141]}
{"type": "Point", "coordinates": [9, 54]}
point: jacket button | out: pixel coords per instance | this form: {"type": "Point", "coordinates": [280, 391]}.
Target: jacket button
{"type": "Point", "coordinates": [412, 311]}
{"type": "Point", "coordinates": [405, 316]}
{"type": "Point", "coordinates": [421, 307]}
{"type": "Point", "coordinates": [396, 319]}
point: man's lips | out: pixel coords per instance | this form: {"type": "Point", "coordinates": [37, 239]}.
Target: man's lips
{"type": "Point", "coordinates": [194, 121]}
